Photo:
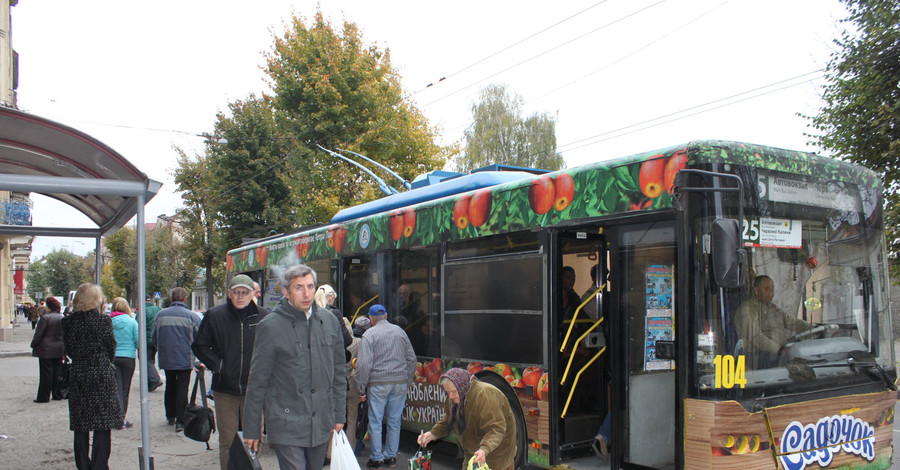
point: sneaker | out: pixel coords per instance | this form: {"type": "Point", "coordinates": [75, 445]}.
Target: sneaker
{"type": "Point", "coordinates": [155, 386]}
{"type": "Point", "coordinates": [391, 462]}
{"type": "Point", "coordinates": [179, 427]}
{"type": "Point", "coordinates": [374, 463]}
{"type": "Point", "coordinates": [127, 425]}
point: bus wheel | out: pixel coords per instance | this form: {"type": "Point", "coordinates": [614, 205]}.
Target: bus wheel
{"type": "Point", "coordinates": [494, 379]}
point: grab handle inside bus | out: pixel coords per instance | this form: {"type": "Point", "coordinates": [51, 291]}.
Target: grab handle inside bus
{"type": "Point", "coordinates": [575, 316]}
{"type": "Point", "coordinates": [362, 307]}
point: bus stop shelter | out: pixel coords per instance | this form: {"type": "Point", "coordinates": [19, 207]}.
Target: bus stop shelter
{"type": "Point", "coordinates": [45, 157]}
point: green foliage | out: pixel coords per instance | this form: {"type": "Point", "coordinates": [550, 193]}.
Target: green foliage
{"type": "Point", "coordinates": [167, 262]}
{"type": "Point", "coordinates": [500, 135]}
{"type": "Point", "coordinates": [333, 90]}
{"type": "Point", "coordinates": [859, 121]}
{"type": "Point", "coordinates": [59, 272]}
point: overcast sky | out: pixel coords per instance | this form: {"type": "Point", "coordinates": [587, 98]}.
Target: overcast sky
{"type": "Point", "coordinates": [621, 76]}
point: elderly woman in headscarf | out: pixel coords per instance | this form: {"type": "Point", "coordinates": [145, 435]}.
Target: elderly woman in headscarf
{"type": "Point", "coordinates": [481, 416]}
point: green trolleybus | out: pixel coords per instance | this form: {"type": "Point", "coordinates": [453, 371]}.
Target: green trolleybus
{"type": "Point", "coordinates": [633, 289]}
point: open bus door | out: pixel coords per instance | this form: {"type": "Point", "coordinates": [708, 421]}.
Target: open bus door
{"type": "Point", "coordinates": [581, 360]}
{"type": "Point", "coordinates": [363, 275]}
{"type": "Point", "coordinates": [642, 315]}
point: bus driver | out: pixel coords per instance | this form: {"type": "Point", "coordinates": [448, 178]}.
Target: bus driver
{"type": "Point", "coordinates": [763, 326]}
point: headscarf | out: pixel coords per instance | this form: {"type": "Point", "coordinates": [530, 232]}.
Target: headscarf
{"type": "Point", "coordinates": [462, 380]}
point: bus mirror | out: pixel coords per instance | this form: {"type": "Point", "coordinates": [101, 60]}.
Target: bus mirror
{"type": "Point", "coordinates": [727, 253]}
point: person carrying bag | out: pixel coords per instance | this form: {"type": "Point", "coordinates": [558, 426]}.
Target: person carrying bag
{"type": "Point", "coordinates": [342, 455]}
{"type": "Point", "coordinates": [199, 421]}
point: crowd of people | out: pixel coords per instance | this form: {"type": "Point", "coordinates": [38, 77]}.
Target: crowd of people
{"type": "Point", "coordinates": [288, 373]}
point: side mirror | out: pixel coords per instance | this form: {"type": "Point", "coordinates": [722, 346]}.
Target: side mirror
{"type": "Point", "coordinates": [727, 253]}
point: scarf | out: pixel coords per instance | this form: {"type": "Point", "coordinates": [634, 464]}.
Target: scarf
{"type": "Point", "coordinates": [462, 380]}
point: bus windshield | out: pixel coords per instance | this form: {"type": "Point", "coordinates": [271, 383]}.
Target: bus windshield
{"type": "Point", "coordinates": [812, 314]}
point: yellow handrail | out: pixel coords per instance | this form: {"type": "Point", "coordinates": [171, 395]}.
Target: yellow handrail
{"type": "Point", "coordinates": [578, 376]}
{"type": "Point", "coordinates": [572, 356]}
{"type": "Point", "coordinates": [575, 316]}
{"type": "Point", "coordinates": [362, 307]}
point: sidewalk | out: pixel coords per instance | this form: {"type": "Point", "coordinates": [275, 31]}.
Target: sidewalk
{"type": "Point", "coordinates": [21, 343]}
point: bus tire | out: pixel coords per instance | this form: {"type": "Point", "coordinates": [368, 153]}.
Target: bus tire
{"type": "Point", "coordinates": [494, 379]}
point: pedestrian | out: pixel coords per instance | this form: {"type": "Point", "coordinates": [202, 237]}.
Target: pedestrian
{"type": "Point", "coordinates": [297, 376]}
{"type": "Point", "coordinates": [93, 399]}
{"type": "Point", "coordinates": [384, 368]}
{"type": "Point", "coordinates": [225, 345]}
{"type": "Point", "coordinates": [34, 314]}
{"type": "Point", "coordinates": [47, 346]}
{"type": "Point", "coordinates": [150, 312]}
{"type": "Point", "coordinates": [174, 330]}
{"type": "Point", "coordinates": [126, 331]}
{"type": "Point", "coordinates": [481, 416]}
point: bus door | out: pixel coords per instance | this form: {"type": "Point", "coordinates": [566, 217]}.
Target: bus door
{"type": "Point", "coordinates": [363, 277]}
{"type": "Point", "coordinates": [581, 355]}
{"type": "Point", "coordinates": [642, 317]}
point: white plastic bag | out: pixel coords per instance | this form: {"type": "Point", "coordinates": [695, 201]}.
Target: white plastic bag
{"type": "Point", "coordinates": [342, 456]}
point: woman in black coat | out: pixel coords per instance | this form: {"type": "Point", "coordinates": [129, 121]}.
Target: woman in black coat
{"type": "Point", "coordinates": [47, 346]}
{"type": "Point", "coordinates": [93, 396]}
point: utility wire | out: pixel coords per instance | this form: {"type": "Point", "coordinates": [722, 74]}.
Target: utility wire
{"type": "Point", "coordinates": [473, 64]}
{"type": "Point", "coordinates": [658, 118]}
{"type": "Point", "coordinates": [543, 53]}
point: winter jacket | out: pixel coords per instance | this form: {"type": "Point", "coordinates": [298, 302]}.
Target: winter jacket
{"type": "Point", "coordinates": [225, 345]}
{"type": "Point", "coordinates": [173, 332]}
{"type": "Point", "coordinates": [127, 334]}
{"type": "Point", "coordinates": [47, 342]}
{"type": "Point", "coordinates": [297, 378]}
{"type": "Point", "coordinates": [93, 393]}
{"type": "Point", "coordinates": [490, 425]}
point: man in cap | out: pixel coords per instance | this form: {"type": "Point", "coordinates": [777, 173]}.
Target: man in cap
{"type": "Point", "coordinates": [173, 332]}
{"type": "Point", "coordinates": [225, 345]}
{"type": "Point", "coordinates": [385, 366]}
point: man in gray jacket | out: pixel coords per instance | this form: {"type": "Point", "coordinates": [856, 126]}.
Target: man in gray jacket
{"type": "Point", "coordinates": [297, 376]}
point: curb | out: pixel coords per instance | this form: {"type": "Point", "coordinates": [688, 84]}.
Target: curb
{"type": "Point", "coordinates": [14, 353]}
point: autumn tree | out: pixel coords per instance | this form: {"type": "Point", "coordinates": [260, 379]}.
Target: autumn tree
{"type": "Point", "coordinates": [332, 89]}
{"type": "Point", "coordinates": [199, 221]}
{"type": "Point", "coordinates": [59, 272]}
{"type": "Point", "coordinates": [499, 134]}
{"type": "Point", "coordinates": [860, 121]}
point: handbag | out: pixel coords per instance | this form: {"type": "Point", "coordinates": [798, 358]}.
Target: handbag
{"type": "Point", "coordinates": [362, 422]}
{"type": "Point", "coordinates": [241, 457]}
{"type": "Point", "coordinates": [342, 456]}
{"type": "Point", "coordinates": [421, 460]}
{"type": "Point", "coordinates": [199, 421]}
{"type": "Point", "coordinates": [477, 466]}
{"type": "Point", "coordinates": [62, 380]}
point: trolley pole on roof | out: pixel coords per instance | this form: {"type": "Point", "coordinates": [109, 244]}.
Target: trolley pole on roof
{"type": "Point", "coordinates": [406, 184]}
{"type": "Point", "coordinates": [384, 187]}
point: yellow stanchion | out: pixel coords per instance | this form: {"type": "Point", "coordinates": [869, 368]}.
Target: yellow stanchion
{"type": "Point", "coordinates": [362, 307]}
{"type": "Point", "coordinates": [575, 316]}
{"type": "Point", "coordinates": [572, 356]}
{"type": "Point", "coordinates": [578, 376]}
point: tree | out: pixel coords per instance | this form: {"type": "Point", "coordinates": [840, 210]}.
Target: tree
{"type": "Point", "coordinates": [500, 135]}
{"type": "Point", "coordinates": [334, 91]}
{"type": "Point", "coordinates": [859, 121]}
{"type": "Point", "coordinates": [122, 246]}
{"type": "Point", "coordinates": [58, 273]}
{"type": "Point", "coordinates": [203, 241]}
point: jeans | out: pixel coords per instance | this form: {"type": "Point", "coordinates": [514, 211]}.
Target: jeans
{"type": "Point", "coordinates": [385, 400]}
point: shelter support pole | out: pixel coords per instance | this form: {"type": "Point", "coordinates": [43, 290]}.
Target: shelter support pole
{"type": "Point", "coordinates": [98, 261]}
{"type": "Point", "coordinates": [144, 452]}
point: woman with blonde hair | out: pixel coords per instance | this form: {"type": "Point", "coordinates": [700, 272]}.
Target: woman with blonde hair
{"type": "Point", "coordinates": [93, 402]}
{"type": "Point", "coordinates": [126, 331]}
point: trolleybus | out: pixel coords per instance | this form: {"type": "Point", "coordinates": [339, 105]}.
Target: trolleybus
{"type": "Point", "coordinates": [617, 288]}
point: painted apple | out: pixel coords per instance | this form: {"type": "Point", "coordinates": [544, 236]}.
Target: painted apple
{"type": "Point", "coordinates": [474, 367]}
{"type": "Point", "coordinates": [434, 376]}
{"type": "Point", "coordinates": [480, 207]}
{"type": "Point", "coordinates": [340, 238]}
{"type": "Point", "coordinates": [263, 255]}
{"type": "Point", "coordinates": [676, 163]}
{"type": "Point", "coordinates": [461, 212]}
{"type": "Point", "coordinates": [565, 191]}
{"type": "Point", "coordinates": [436, 364]}
{"type": "Point", "coordinates": [503, 370]}
{"type": "Point", "coordinates": [396, 224]}
{"type": "Point", "coordinates": [517, 383]}
{"type": "Point", "coordinates": [229, 263]}
{"type": "Point", "coordinates": [510, 378]}
{"type": "Point", "coordinates": [420, 370]}
{"type": "Point", "coordinates": [651, 176]}
{"type": "Point", "coordinates": [541, 194]}
{"type": "Point", "coordinates": [531, 376]}
{"type": "Point", "coordinates": [409, 221]}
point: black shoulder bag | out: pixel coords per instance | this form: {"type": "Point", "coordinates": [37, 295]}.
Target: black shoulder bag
{"type": "Point", "coordinates": [199, 421]}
